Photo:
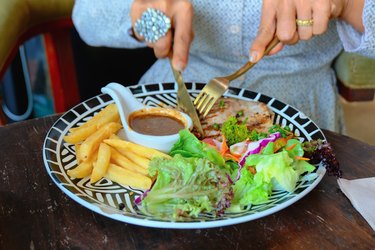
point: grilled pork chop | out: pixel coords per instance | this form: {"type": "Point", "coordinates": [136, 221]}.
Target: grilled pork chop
{"type": "Point", "coordinates": [256, 114]}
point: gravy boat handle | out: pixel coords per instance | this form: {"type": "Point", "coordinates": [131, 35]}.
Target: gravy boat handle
{"type": "Point", "coordinates": [125, 101]}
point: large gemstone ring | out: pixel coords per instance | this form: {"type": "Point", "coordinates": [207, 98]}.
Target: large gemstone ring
{"type": "Point", "coordinates": [152, 25]}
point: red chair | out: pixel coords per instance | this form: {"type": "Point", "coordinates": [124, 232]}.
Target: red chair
{"type": "Point", "coordinates": [20, 20]}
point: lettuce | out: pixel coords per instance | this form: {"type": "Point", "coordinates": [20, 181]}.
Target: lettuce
{"type": "Point", "coordinates": [273, 171]}
{"type": "Point", "coordinates": [189, 146]}
{"type": "Point", "coordinates": [251, 189]}
{"type": "Point", "coordinates": [196, 180]}
{"type": "Point", "coordinates": [297, 149]}
{"type": "Point", "coordinates": [186, 187]}
{"type": "Point", "coordinates": [276, 166]}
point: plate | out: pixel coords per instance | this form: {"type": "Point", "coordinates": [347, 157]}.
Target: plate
{"type": "Point", "coordinates": [106, 197]}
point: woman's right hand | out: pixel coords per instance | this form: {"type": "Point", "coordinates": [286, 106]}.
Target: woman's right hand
{"type": "Point", "coordinates": [279, 19]}
{"type": "Point", "coordinates": [176, 43]}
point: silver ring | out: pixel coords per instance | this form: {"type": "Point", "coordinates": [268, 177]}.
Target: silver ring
{"type": "Point", "coordinates": [152, 25]}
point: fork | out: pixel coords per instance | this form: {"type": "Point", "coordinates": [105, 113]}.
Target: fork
{"type": "Point", "coordinates": [216, 87]}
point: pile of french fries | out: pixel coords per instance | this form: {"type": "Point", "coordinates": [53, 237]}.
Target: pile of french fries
{"type": "Point", "coordinates": [101, 153]}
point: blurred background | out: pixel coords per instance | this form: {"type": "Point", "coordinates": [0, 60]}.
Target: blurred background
{"type": "Point", "coordinates": [360, 119]}
{"type": "Point", "coordinates": [26, 90]}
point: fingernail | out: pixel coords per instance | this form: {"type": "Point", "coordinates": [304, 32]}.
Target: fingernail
{"type": "Point", "coordinates": [333, 10]}
{"type": "Point", "coordinates": [253, 57]}
{"type": "Point", "coordinates": [178, 66]}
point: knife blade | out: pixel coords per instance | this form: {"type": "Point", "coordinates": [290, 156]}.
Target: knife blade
{"type": "Point", "coordinates": [184, 102]}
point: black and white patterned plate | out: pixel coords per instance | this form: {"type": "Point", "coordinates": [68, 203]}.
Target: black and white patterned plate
{"type": "Point", "coordinates": [106, 197]}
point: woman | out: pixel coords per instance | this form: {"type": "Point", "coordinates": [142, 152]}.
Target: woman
{"type": "Point", "coordinates": [228, 33]}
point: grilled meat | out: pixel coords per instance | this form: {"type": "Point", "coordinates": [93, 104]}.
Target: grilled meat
{"type": "Point", "coordinates": [256, 115]}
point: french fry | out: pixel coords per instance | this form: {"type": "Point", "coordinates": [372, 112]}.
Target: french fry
{"type": "Point", "coordinates": [102, 163]}
{"type": "Point", "coordinates": [77, 147]}
{"type": "Point", "coordinates": [114, 136]}
{"type": "Point", "coordinates": [137, 159]}
{"type": "Point", "coordinates": [124, 162]}
{"type": "Point", "coordinates": [141, 161]}
{"type": "Point", "coordinates": [138, 149]}
{"type": "Point", "coordinates": [80, 134]}
{"type": "Point", "coordinates": [107, 115]}
{"type": "Point", "coordinates": [83, 169]}
{"type": "Point", "coordinates": [97, 156]}
{"type": "Point", "coordinates": [92, 142]}
{"type": "Point", "coordinates": [126, 177]}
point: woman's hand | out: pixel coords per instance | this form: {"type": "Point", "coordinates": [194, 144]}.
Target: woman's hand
{"type": "Point", "coordinates": [176, 43]}
{"type": "Point", "coordinates": [279, 19]}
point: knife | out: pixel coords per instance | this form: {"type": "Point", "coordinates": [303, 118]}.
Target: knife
{"type": "Point", "coordinates": [184, 102]}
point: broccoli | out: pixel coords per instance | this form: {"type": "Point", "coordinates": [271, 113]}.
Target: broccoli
{"type": "Point", "coordinates": [234, 131]}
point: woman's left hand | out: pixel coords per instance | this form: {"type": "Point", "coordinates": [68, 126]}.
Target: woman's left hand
{"type": "Point", "coordinates": [294, 20]}
{"type": "Point", "coordinates": [174, 44]}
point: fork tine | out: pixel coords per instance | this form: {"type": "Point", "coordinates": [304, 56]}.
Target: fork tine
{"type": "Point", "coordinates": [198, 99]}
{"type": "Point", "coordinates": [202, 100]}
{"type": "Point", "coordinates": [205, 104]}
{"type": "Point", "coordinates": [209, 106]}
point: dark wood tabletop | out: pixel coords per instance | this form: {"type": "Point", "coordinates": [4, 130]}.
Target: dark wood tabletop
{"type": "Point", "coordinates": [36, 214]}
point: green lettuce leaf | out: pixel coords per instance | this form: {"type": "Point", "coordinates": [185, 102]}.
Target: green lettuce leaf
{"type": "Point", "coordinates": [186, 187]}
{"type": "Point", "coordinates": [251, 189]}
{"type": "Point", "coordinates": [297, 150]}
{"type": "Point", "coordinates": [279, 169]}
{"type": "Point", "coordinates": [276, 166]}
{"type": "Point", "coordinates": [189, 146]}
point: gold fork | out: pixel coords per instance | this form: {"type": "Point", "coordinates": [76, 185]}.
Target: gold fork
{"type": "Point", "coordinates": [218, 85]}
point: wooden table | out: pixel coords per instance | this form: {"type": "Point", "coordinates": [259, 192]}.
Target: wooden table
{"type": "Point", "coordinates": [36, 214]}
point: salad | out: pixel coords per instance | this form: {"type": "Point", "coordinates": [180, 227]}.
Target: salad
{"type": "Point", "coordinates": [228, 175]}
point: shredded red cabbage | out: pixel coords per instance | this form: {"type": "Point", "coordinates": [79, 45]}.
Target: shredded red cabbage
{"type": "Point", "coordinates": [256, 147]}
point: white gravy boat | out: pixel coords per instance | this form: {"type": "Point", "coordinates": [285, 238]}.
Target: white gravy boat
{"type": "Point", "coordinates": [127, 103]}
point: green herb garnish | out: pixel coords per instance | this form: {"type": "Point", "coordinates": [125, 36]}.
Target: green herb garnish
{"type": "Point", "coordinates": [240, 113]}
{"type": "Point", "coordinates": [277, 128]}
{"type": "Point", "coordinates": [216, 126]}
{"type": "Point", "coordinates": [234, 131]}
{"type": "Point", "coordinates": [221, 104]}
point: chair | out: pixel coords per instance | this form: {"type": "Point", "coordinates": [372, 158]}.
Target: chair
{"type": "Point", "coordinates": [70, 61]}
{"type": "Point", "coordinates": [355, 77]}
{"type": "Point", "coordinates": [23, 19]}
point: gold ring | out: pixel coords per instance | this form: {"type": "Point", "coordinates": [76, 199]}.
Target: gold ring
{"type": "Point", "coordinates": [307, 22]}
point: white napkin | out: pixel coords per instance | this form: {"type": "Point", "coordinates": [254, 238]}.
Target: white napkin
{"type": "Point", "coordinates": [361, 193]}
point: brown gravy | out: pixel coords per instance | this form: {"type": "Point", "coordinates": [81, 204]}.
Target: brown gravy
{"type": "Point", "coordinates": [155, 124]}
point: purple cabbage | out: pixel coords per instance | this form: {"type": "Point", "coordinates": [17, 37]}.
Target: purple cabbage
{"type": "Point", "coordinates": [256, 147]}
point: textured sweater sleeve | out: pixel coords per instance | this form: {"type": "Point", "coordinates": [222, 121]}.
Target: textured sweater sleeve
{"type": "Point", "coordinates": [104, 23]}
{"type": "Point", "coordinates": [357, 42]}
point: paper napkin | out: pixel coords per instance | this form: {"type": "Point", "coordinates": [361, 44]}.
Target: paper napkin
{"type": "Point", "coordinates": [361, 193]}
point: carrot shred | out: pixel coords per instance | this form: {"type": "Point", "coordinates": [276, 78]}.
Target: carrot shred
{"type": "Point", "coordinates": [289, 136]}
{"type": "Point", "coordinates": [252, 170]}
{"type": "Point", "coordinates": [279, 143]}
{"type": "Point", "coordinates": [236, 155]}
{"type": "Point", "coordinates": [225, 152]}
{"type": "Point", "coordinates": [233, 157]}
{"type": "Point", "coordinates": [224, 146]}
{"type": "Point", "coordinates": [291, 146]}
{"type": "Point", "coordinates": [301, 158]}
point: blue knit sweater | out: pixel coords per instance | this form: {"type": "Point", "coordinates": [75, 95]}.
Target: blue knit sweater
{"type": "Point", "coordinates": [300, 75]}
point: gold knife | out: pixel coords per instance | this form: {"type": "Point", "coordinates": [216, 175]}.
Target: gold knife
{"type": "Point", "coordinates": [184, 102]}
